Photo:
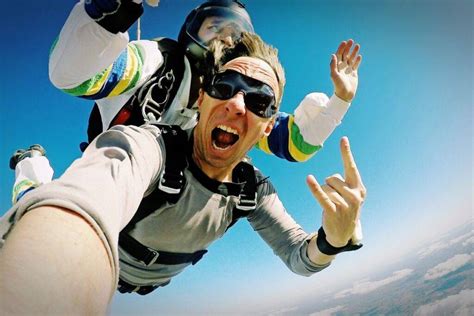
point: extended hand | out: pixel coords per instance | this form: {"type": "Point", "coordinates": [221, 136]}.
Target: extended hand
{"type": "Point", "coordinates": [344, 65]}
{"type": "Point", "coordinates": [341, 199]}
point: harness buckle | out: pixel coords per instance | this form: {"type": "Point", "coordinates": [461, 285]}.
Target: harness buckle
{"type": "Point", "coordinates": [170, 183]}
{"type": "Point", "coordinates": [246, 202]}
{"type": "Point", "coordinates": [151, 257]}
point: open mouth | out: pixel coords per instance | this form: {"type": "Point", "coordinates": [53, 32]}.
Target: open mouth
{"type": "Point", "coordinates": [224, 137]}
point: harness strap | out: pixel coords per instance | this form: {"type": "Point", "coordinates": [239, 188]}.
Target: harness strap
{"type": "Point", "coordinates": [149, 256]}
{"type": "Point", "coordinates": [125, 287]}
{"type": "Point", "coordinates": [244, 173]}
{"type": "Point", "coordinates": [172, 178]}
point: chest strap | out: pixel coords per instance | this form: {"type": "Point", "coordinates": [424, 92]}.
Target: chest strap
{"type": "Point", "coordinates": [149, 256]}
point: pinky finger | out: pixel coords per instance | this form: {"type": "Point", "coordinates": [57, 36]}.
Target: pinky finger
{"type": "Point", "coordinates": [318, 193]}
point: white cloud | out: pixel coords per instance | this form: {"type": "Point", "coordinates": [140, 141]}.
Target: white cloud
{"type": "Point", "coordinates": [283, 311]}
{"type": "Point", "coordinates": [448, 266]}
{"type": "Point", "coordinates": [460, 304]}
{"type": "Point", "coordinates": [364, 286]}
{"type": "Point", "coordinates": [432, 248]}
{"type": "Point", "coordinates": [441, 244]}
{"type": "Point", "coordinates": [329, 311]}
{"type": "Point", "coordinates": [469, 241]}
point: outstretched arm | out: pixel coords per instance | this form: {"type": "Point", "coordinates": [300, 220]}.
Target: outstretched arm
{"type": "Point", "coordinates": [341, 199]}
{"type": "Point", "coordinates": [92, 57]}
{"type": "Point", "coordinates": [54, 263]}
{"type": "Point", "coordinates": [298, 137]}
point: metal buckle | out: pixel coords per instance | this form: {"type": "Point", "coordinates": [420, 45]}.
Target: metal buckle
{"type": "Point", "coordinates": [162, 185]}
{"type": "Point", "coordinates": [246, 204]}
{"type": "Point", "coordinates": [155, 253]}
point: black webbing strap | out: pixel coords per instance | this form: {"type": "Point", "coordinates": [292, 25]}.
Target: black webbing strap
{"type": "Point", "coordinates": [244, 173]}
{"type": "Point", "coordinates": [325, 247]}
{"type": "Point", "coordinates": [149, 256]}
{"type": "Point", "coordinates": [176, 144]}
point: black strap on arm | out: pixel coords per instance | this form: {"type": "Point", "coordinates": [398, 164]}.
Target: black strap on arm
{"type": "Point", "coordinates": [325, 247]}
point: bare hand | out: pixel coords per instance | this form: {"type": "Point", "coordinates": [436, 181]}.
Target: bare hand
{"type": "Point", "coordinates": [341, 199]}
{"type": "Point", "coordinates": [344, 65]}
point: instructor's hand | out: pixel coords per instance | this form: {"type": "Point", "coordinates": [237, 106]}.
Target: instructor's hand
{"type": "Point", "coordinates": [344, 66]}
{"type": "Point", "coordinates": [340, 198]}
{"type": "Point", "coordinates": [152, 3]}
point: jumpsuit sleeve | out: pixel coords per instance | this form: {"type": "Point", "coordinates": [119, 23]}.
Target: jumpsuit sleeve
{"type": "Point", "coordinates": [298, 137]}
{"type": "Point", "coordinates": [94, 59]}
{"type": "Point", "coordinates": [280, 231]}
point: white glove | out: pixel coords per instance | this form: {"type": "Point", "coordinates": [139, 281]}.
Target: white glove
{"type": "Point", "coordinates": [153, 3]}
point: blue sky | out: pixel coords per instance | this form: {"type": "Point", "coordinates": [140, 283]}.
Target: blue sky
{"type": "Point", "coordinates": [410, 128]}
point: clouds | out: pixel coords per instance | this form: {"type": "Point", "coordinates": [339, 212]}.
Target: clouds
{"type": "Point", "coordinates": [445, 244]}
{"type": "Point", "coordinates": [459, 305]}
{"type": "Point", "coordinates": [329, 311]}
{"type": "Point", "coordinates": [448, 266]}
{"type": "Point", "coordinates": [368, 286]}
{"type": "Point", "coordinates": [283, 311]}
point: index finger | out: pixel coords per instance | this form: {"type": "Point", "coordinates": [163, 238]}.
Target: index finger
{"type": "Point", "coordinates": [351, 173]}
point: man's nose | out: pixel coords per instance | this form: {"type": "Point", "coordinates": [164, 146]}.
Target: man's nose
{"type": "Point", "coordinates": [227, 40]}
{"type": "Point", "coordinates": [236, 104]}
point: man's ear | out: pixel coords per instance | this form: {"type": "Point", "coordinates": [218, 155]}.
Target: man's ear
{"type": "Point", "coordinates": [269, 127]}
{"type": "Point", "coordinates": [200, 98]}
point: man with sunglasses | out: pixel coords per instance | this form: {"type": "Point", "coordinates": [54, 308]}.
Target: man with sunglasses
{"type": "Point", "coordinates": [132, 82]}
{"type": "Point", "coordinates": [66, 239]}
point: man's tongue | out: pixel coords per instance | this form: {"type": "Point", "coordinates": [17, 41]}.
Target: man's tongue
{"type": "Point", "coordinates": [223, 139]}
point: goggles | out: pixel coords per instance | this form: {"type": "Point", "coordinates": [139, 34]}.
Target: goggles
{"type": "Point", "coordinates": [223, 21]}
{"type": "Point", "coordinates": [259, 97]}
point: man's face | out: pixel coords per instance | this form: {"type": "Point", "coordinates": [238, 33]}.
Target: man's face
{"type": "Point", "coordinates": [227, 130]}
{"type": "Point", "coordinates": [221, 28]}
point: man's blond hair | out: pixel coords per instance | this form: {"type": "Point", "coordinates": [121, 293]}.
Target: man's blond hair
{"type": "Point", "coordinates": [250, 45]}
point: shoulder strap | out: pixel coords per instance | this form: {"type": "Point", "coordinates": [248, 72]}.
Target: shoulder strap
{"type": "Point", "coordinates": [244, 173]}
{"type": "Point", "coordinates": [172, 181]}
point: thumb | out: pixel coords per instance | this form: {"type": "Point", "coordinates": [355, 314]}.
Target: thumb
{"type": "Point", "coordinates": [333, 65]}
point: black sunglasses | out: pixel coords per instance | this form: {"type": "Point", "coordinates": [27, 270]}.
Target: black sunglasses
{"type": "Point", "coordinates": [259, 97]}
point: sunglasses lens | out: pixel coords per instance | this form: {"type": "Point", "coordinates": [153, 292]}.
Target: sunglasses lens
{"type": "Point", "coordinates": [258, 96]}
{"type": "Point", "coordinates": [260, 101]}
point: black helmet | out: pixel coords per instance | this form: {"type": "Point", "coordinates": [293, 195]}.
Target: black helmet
{"type": "Point", "coordinates": [231, 11]}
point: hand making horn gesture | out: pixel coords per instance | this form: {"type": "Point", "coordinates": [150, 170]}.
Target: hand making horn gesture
{"type": "Point", "coordinates": [341, 200]}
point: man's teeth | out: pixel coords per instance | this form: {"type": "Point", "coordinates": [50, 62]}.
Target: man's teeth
{"type": "Point", "coordinates": [228, 129]}
{"type": "Point", "coordinates": [217, 147]}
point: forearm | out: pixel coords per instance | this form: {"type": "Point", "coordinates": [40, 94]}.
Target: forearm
{"type": "Point", "coordinates": [287, 239]}
{"type": "Point", "coordinates": [299, 137]}
{"type": "Point", "coordinates": [44, 269]}
{"type": "Point", "coordinates": [317, 117]}
{"type": "Point", "coordinates": [316, 256]}
{"type": "Point", "coordinates": [93, 60]}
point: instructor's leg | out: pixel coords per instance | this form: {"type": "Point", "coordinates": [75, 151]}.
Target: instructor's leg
{"type": "Point", "coordinates": [52, 263]}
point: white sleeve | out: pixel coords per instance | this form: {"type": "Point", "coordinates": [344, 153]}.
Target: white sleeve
{"type": "Point", "coordinates": [317, 116]}
{"type": "Point", "coordinates": [84, 49]}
